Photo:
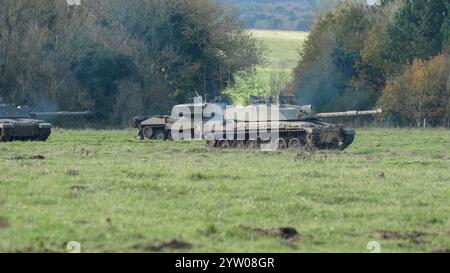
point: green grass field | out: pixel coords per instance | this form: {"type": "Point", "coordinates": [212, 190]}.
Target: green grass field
{"type": "Point", "coordinates": [283, 50]}
{"type": "Point", "coordinates": [111, 192]}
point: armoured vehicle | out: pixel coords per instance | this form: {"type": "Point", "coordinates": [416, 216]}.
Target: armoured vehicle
{"type": "Point", "coordinates": [17, 123]}
{"type": "Point", "coordinates": [282, 126]}
{"type": "Point", "coordinates": [185, 116]}
{"type": "Point", "coordinates": [154, 127]}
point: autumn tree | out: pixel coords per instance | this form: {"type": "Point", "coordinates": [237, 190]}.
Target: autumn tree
{"type": "Point", "coordinates": [420, 95]}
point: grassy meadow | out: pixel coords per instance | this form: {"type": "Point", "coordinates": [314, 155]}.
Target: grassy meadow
{"type": "Point", "coordinates": [283, 50]}
{"type": "Point", "coordinates": [111, 192]}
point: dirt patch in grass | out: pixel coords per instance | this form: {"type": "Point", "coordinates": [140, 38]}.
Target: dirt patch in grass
{"type": "Point", "coordinates": [35, 157]}
{"type": "Point", "coordinates": [141, 175]}
{"type": "Point", "coordinates": [199, 176]}
{"type": "Point", "coordinates": [288, 233]}
{"type": "Point", "coordinates": [174, 244]}
{"type": "Point", "coordinates": [441, 249]}
{"type": "Point", "coordinates": [200, 150]}
{"type": "Point", "coordinates": [78, 188]}
{"type": "Point", "coordinates": [413, 236]}
{"type": "Point", "coordinates": [72, 173]}
{"type": "Point", "coordinates": [30, 249]}
{"type": "Point", "coordinates": [172, 151]}
{"type": "Point", "coordinates": [82, 222]}
{"type": "Point", "coordinates": [3, 222]}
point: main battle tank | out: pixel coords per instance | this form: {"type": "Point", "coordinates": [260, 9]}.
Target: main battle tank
{"type": "Point", "coordinates": [281, 126]}
{"type": "Point", "coordinates": [17, 123]}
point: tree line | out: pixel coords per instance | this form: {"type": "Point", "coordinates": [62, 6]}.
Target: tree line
{"type": "Point", "coordinates": [120, 58]}
{"type": "Point", "coordinates": [394, 55]}
{"type": "Point", "coordinates": [281, 14]}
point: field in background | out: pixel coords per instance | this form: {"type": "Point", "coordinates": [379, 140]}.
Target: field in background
{"type": "Point", "coordinates": [283, 52]}
{"type": "Point", "coordinates": [111, 192]}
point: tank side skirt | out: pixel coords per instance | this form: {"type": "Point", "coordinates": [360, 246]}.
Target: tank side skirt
{"type": "Point", "coordinates": [284, 133]}
{"type": "Point", "coordinates": [315, 137]}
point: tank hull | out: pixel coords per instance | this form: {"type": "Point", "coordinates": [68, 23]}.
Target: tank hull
{"type": "Point", "coordinates": [22, 129]}
{"type": "Point", "coordinates": [279, 135]}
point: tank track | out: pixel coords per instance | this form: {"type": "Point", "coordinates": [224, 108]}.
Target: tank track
{"type": "Point", "coordinates": [288, 139]}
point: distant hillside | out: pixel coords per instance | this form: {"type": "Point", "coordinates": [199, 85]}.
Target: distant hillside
{"type": "Point", "coordinates": [273, 14]}
{"type": "Point", "coordinates": [279, 14]}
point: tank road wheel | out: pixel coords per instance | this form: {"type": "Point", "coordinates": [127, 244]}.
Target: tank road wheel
{"type": "Point", "coordinates": [140, 134]}
{"type": "Point", "coordinates": [4, 136]}
{"type": "Point", "coordinates": [295, 144]}
{"type": "Point", "coordinates": [44, 134]}
{"type": "Point", "coordinates": [334, 144]}
{"type": "Point", "coordinates": [160, 135]}
{"type": "Point", "coordinates": [310, 139]}
{"type": "Point", "coordinates": [252, 144]}
{"type": "Point", "coordinates": [147, 132]}
{"type": "Point", "coordinates": [223, 144]}
{"type": "Point", "coordinates": [239, 144]}
{"type": "Point", "coordinates": [280, 144]}
{"type": "Point", "coordinates": [210, 141]}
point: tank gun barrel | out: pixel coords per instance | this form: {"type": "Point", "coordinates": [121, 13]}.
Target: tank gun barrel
{"type": "Point", "coordinates": [62, 114]}
{"type": "Point", "coordinates": [349, 113]}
